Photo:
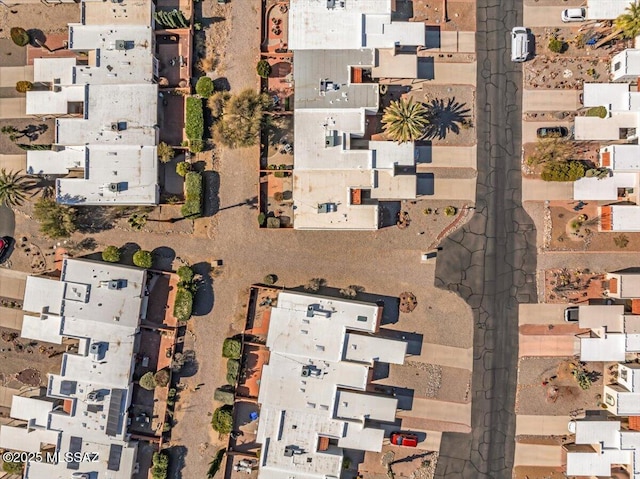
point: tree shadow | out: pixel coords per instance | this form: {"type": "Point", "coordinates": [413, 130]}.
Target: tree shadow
{"type": "Point", "coordinates": [252, 203]}
{"type": "Point", "coordinates": [37, 38]}
{"type": "Point", "coordinates": [126, 252]}
{"type": "Point", "coordinates": [163, 258]}
{"type": "Point", "coordinates": [33, 132]}
{"type": "Point", "coordinates": [222, 84]}
{"type": "Point", "coordinates": [177, 455]}
{"type": "Point", "coordinates": [204, 298]}
{"type": "Point", "coordinates": [212, 188]}
{"type": "Point", "coordinates": [445, 116]}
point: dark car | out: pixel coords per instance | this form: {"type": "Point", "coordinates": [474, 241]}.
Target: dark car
{"type": "Point", "coordinates": [552, 132]}
{"type": "Point", "coordinates": [571, 314]}
{"type": "Point", "coordinates": [5, 242]}
{"type": "Point", "coordinates": [404, 439]}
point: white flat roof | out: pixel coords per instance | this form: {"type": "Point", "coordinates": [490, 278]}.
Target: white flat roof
{"type": "Point", "coordinates": [596, 432]}
{"type": "Point", "coordinates": [29, 440]}
{"type": "Point", "coordinates": [629, 60]}
{"type": "Point", "coordinates": [628, 404]}
{"type": "Point", "coordinates": [605, 189]}
{"type": "Point", "coordinates": [48, 102]}
{"type": "Point", "coordinates": [625, 218]}
{"type": "Point", "coordinates": [602, 316]}
{"type": "Point", "coordinates": [46, 327]}
{"type": "Point", "coordinates": [606, 9]}
{"type": "Point", "coordinates": [313, 188]}
{"type": "Point", "coordinates": [595, 463]}
{"type": "Point", "coordinates": [49, 162]}
{"type": "Point", "coordinates": [315, 383]}
{"type": "Point", "coordinates": [613, 96]}
{"type": "Point", "coordinates": [608, 348]}
{"type": "Point", "coordinates": [43, 295]}
{"type": "Point", "coordinates": [133, 169]}
{"type": "Point", "coordinates": [623, 157]}
{"type": "Point", "coordinates": [132, 64]}
{"type": "Point", "coordinates": [29, 408]}
{"type": "Point", "coordinates": [133, 107]}
{"type": "Point", "coordinates": [381, 32]}
{"type": "Point", "coordinates": [604, 129]}
{"type": "Point", "coordinates": [54, 70]}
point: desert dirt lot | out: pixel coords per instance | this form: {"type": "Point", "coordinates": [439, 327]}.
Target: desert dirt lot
{"type": "Point", "coordinates": [560, 395]}
{"type": "Point", "coordinates": [38, 16]}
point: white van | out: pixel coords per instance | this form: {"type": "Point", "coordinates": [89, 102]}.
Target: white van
{"type": "Point", "coordinates": [519, 44]}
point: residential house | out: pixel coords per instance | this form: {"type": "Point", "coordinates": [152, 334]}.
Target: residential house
{"type": "Point", "coordinates": [313, 399]}
{"type": "Point", "coordinates": [105, 103]}
{"type": "Point", "coordinates": [95, 308]}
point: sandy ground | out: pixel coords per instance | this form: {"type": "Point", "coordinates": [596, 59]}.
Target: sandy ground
{"type": "Point", "coordinates": [532, 395]}
{"type": "Point", "coordinates": [47, 18]}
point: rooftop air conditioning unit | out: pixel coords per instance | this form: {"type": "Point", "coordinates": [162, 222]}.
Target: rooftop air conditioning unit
{"type": "Point", "coordinates": [114, 187]}
{"type": "Point", "coordinates": [121, 45]}
{"type": "Point", "coordinates": [306, 371]}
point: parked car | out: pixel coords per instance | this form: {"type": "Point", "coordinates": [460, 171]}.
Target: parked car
{"type": "Point", "coordinates": [520, 47]}
{"type": "Point", "coordinates": [571, 314]}
{"type": "Point", "coordinates": [574, 15]}
{"type": "Point", "coordinates": [552, 132]}
{"type": "Point", "coordinates": [404, 439]}
{"type": "Point", "coordinates": [5, 243]}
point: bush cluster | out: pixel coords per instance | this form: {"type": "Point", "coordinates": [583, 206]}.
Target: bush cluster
{"type": "Point", "coordinates": [193, 186]}
{"type": "Point", "coordinates": [231, 348]}
{"type": "Point", "coordinates": [194, 123]}
{"type": "Point", "coordinates": [222, 420]}
{"type": "Point", "coordinates": [563, 171]}
{"type": "Point", "coordinates": [160, 465]}
{"type": "Point", "coordinates": [204, 87]}
{"type": "Point", "coordinates": [183, 305]}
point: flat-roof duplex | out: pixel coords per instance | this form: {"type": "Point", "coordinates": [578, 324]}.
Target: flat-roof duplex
{"type": "Point", "coordinates": [313, 391]}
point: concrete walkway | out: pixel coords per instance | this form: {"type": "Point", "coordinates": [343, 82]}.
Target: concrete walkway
{"type": "Point", "coordinates": [454, 73]}
{"type": "Point", "coordinates": [457, 42]}
{"type": "Point", "coordinates": [439, 411]}
{"type": "Point", "coordinates": [13, 162]}
{"type": "Point", "coordinates": [445, 356]}
{"type": "Point", "coordinates": [538, 455]}
{"type": "Point", "coordinates": [9, 76]}
{"type": "Point", "coordinates": [450, 157]}
{"type": "Point", "coordinates": [543, 16]}
{"type": "Point", "coordinates": [13, 108]}
{"type": "Point", "coordinates": [539, 190]}
{"type": "Point", "coordinates": [542, 425]}
{"type": "Point", "coordinates": [547, 345]}
{"type": "Point", "coordinates": [462, 189]}
{"type": "Point", "coordinates": [12, 283]}
{"type": "Point", "coordinates": [550, 100]}
{"type": "Point", "coordinates": [541, 313]}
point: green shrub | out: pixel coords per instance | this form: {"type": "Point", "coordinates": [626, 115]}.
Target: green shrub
{"type": "Point", "coordinates": [162, 377]}
{"type": "Point", "coordinates": [148, 381]}
{"type": "Point", "coordinates": [56, 221]}
{"type": "Point", "coordinates": [24, 86]}
{"type": "Point", "coordinates": [111, 254]}
{"type": "Point", "coordinates": [13, 467]}
{"type": "Point", "coordinates": [185, 273]}
{"type": "Point", "coordinates": [261, 219]}
{"type": "Point", "coordinates": [222, 420]}
{"type": "Point", "coordinates": [233, 370]}
{"type": "Point", "coordinates": [182, 168]}
{"type": "Point", "coordinates": [450, 211]}
{"type": "Point", "coordinates": [204, 87]}
{"type": "Point", "coordinates": [214, 465]}
{"type": "Point", "coordinates": [183, 305]}
{"type": "Point", "coordinates": [563, 171]}
{"type": "Point", "coordinates": [143, 259]}
{"type": "Point", "coordinates": [556, 45]}
{"type": "Point", "coordinates": [270, 279]}
{"type": "Point", "coordinates": [20, 36]}
{"type": "Point", "coordinates": [263, 69]}
{"type": "Point", "coordinates": [165, 152]}
{"type": "Point", "coordinates": [160, 465]}
{"type": "Point", "coordinates": [196, 146]}
{"type": "Point", "coordinates": [193, 186]}
{"type": "Point", "coordinates": [599, 111]}
{"type": "Point", "coordinates": [194, 123]}
{"type": "Point", "coordinates": [224, 396]}
{"type": "Point", "coordinates": [273, 222]}
{"type": "Point", "coordinates": [231, 348]}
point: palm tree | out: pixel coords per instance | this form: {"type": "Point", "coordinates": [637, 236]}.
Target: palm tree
{"type": "Point", "coordinates": [13, 187]}
{"type": "Point", "coordinates": [629, 22]}
{"type": "Point", "coordinates": [404, 120]}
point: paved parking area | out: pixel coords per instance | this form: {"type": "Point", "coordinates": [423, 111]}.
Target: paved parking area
{"type": "Point", "coordinates": [543, 16]}
{"type": "Point", "coordinates": [541, 313]}
{"type": "Point", "coordinates": [548, 345]}
{"type": "Point", "coordinates": [539, 190]}
{"type": "Point", "coordinates": [529, 129]}
{"type": "Point", "coordinates": [528, 425]}
{"type": "Point", "coordinates": [550, 100]}
{"type": "Point", "coordinates": [538, 455]}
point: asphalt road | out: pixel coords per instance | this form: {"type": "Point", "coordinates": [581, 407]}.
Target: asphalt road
{"type": "Point", "coordinates": [491, 261]}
